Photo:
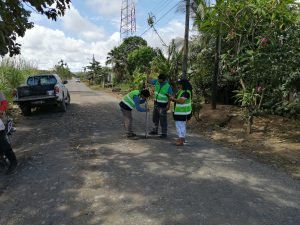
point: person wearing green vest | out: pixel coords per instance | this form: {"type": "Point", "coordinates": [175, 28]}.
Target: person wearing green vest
{"type": "Point", "coordinates": [129, 102]}
{"type": "Point", "coordinates": [182, 110]}
{"type": "Point", "coordinates": [161, 104]}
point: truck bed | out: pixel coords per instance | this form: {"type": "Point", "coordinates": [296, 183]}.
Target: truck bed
{"type": "Point", "coordinates": [34, 91]}
{"type": "Point", "coordinates": [35, 98]}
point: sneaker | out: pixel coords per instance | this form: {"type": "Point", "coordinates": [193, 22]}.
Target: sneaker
{"type": "Point", "coordinates": [163, 136]}
{"type": "Point", "coordinates": [131, 135]}
{"type": "Point", "coordinates": [153, 133]}
{"type": "Point", "coordinates": [179, 142]}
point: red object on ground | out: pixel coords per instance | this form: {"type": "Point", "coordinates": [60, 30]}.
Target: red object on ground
{"type": "Point", "coordinates": [3, 105]}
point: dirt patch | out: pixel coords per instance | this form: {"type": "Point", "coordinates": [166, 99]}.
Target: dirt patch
{"type": "Point", "coordinates": [275, 140]}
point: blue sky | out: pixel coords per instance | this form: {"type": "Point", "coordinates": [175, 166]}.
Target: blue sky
{"type": "Point", "coordinates": [92, 27]}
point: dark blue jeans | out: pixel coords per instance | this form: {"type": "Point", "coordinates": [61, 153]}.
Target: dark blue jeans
{"type": "Point", "coordinates": [160, 117]}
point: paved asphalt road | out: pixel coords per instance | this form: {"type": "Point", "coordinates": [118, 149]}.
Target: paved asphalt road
{"type": "Point", "coordinates": [77, 168]}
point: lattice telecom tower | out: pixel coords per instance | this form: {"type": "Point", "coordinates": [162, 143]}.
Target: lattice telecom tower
{"type": "Point", "coordinates": [128, 21]}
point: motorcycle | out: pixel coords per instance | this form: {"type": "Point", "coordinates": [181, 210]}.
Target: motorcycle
{"type": "Point", "coordinates": [9, 130]}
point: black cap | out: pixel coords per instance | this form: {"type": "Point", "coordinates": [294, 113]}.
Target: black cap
{"type": "Point", "coordinates": [145, 93]}
{"type": "Point", "coordinates": [186, 85]}
{"type": "Point", "coordinates": [182, 81]}
{"type": "Point", "coordinates": [162, 77]}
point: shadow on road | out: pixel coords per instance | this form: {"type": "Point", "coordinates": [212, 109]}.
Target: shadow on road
{"type": "Point", "coordinates": [77, 168]}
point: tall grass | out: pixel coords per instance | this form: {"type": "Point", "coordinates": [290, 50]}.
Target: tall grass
{"type": "Point", "coordinates": [13, 72]}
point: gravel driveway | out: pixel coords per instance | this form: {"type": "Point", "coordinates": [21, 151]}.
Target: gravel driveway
{"type": "Point", "coordinates": [77, 168]}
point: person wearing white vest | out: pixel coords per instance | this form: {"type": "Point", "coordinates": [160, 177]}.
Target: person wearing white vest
{"type": "Point", "coordinates": [182, 110]}
{"type": "Point", "coordinates": [5, 147]}
{"type": "Point", "coordinates": [129, 102]}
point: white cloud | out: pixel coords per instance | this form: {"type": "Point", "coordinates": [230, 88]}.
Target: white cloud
{"type": "Point", "coordinates": [46, 47]}
{"type": "Point", "coordinates": [75, 42]}
{"type": "Point", "coordinates": [80, 39]}
{"type": "Point", "coordinates": [172, 30]}
{"type": "Point", "coordinates": [111, 8]}
{"type": "Point", "coordinates": [74, 22]}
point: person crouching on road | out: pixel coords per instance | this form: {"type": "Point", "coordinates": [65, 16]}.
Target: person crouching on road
{"type": "Point", "coordinates": [182, 110]}
{"type": "Point", "coordinates": [5, 147]}
{"type": "Point", "coordinates": [132, 101]}
{"type": "Point", "coordinates": [161, 104]}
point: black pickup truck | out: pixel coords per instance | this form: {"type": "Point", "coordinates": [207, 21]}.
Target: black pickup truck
{"type": "Point", "coordinates": [42, 89]}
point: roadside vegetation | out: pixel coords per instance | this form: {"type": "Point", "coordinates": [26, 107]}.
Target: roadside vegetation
{"type": "Point", "coordinates": [13, 73]}
{"type": "Point", "coordinates": [259, 49]}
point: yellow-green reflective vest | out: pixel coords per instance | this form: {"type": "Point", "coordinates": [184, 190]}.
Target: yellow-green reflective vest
{"type": "Point", "coordinates": [186, 107]}
{"type": "Point", "coordinates": [128, 99]}
{"type": "Point", "coordinates": [161, 91]}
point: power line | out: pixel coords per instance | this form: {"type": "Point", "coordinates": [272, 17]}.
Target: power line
{"type": "Point", "coordinates": [161, 18]}
{"type": "Point", "coordinates": [161, 9]}
{"type": "Point", "coordinates": [159, 5]}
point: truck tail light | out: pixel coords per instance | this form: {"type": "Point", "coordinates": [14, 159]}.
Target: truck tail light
{"type": "Point", "coordinates": [56, 89]}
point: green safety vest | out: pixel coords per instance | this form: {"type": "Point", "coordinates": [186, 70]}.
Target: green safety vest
{"type": "Point", "coordinates": [128, 99]}
{"type": "Point", "coordinates": [161, 91]}
{"type": "Point", "coordinates": [186, 107]}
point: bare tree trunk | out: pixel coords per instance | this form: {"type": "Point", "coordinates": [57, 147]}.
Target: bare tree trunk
{"type": "Point", "coordinates": [261, 99]}
{"type": "Point", "coordinates": [216, 70]}
{"type": "Point", "coordinates": [249, 124]}
{"type": "Point", "coordinates": [186, 40]}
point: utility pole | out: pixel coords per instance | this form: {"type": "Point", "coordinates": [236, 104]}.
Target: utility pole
{"type": "Point", "coordinates": [216, 70]}
{"type": "Point", "coordinates": [214, 87]}
{"type": "Point", "coordinates": [186, 40]}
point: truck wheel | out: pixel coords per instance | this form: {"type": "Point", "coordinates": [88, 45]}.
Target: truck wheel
{"type": "Point", "coordinates": [63, 106]}
{"type": "Point", "coordinates": [68, 99]}
{"type": "Point", "coordinates": [26, 110]}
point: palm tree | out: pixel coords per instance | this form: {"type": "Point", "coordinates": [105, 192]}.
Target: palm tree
{"type": "Point", "coordinates": [170, 64]}
{"type": "Point", "coordinates": [118, 63]}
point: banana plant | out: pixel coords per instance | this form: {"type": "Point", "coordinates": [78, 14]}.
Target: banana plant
{"type": "Point", "coordinates": [248, 99]}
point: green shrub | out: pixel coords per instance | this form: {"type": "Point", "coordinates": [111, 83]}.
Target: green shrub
{"type": "Point", "coordinates": [13, 73]}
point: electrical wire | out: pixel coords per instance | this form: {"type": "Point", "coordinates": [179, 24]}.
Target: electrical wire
{"type": "Point", "coordinates": [161, 9]}
{"type": "Point", "coordinates": [161, 18]}
{"type": "Point", "coordinates": [160, 5]}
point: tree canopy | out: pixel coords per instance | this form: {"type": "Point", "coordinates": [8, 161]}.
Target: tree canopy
{"type": "Point", "coordinates": [14, 20]}
{"type": "Point", "coordinates": [140, 58]}
{"type": "Point", "coordinates": [259, 50]}
{"type": "Point", "coordinates": [62, 69]}
{"type": "Point", "coordinates": [118, 56]}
